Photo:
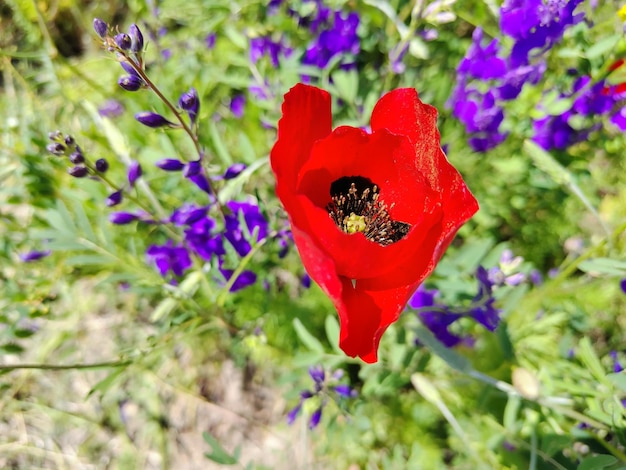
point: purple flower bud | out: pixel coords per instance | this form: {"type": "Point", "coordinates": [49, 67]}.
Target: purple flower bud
{"type": "Point", "coordinates": [78, 171]}
{"type": "Point", "coordinates": [130, 82]}
{"type": "Point", "coordinates": [293, 414]}
{"type": "Point", "coordinates": [622, 285]}
{"type": "Point", "coordinates": [134, 172]}
{"type": "Point", "coordinates": [129, 69]}
{"type": "Point", "coordinates": [210, 40]}
{"type": "Point", "coordinates": [345, 391]}
{"type": "Point", "coordinates": [114, 199]}
{"type": "Point", "coordinates": [315, 418]}
{"type": "Point", "coordinates": [136, 37]}
{"type": "Point", "coordinates": [150, 119]}
{"type": "Point", "coordinates": [55, 136]}
{"type": "Point", "coordinates": [170, 164]}
{"type": "Point", "coordinates": [190, 102]}
{"type": "Point", "coordinates": [34, 255]}
{"type": "Point", "coordinates": [123, 41]}
{"type": "Point", "coordinates": [56, 149]}
{"type": "Point", "coordinates": [102, 165]}
{"type": "Point", "coordinates": [234, 170]}
{"type": "Point", "coordinates": [100, 27]}
{"type": "Point", "coordinates": [69, 140]}
{"type": "Point", "coordinates": [237, 104]}
{"type": "Point", "coordinates": [192, 169]}
{"type": "Point", "coordinates": [305, 280]}
{"type": "Point", "coordinates": [306, 394]}
{"type": "Point", "coordinates": [122, 218]}
{"type": "Point", "coordinates": [77, 157]}
{"type": "Point", "coordinates": [317, 374]}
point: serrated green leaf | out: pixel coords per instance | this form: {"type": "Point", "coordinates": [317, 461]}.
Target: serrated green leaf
{"type": "Point", "coordinates": [307, 338]}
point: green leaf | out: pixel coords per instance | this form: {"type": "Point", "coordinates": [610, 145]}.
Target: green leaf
{"type": "Point", "coordinates": [218, 453]}
{"type": "Point", "coordinates": [307, 338]}
{"type": "Point", "coordinates": [603, 46]}
{"type": "Point", "coordinates": [597, 462]}
{"type": "Point", "coordinates": [452, 358]}
{"type": "Point", "coordinates": [619, 380]}
{"type": "Point", "coordinates": [107, 382]}
{"type": "Point", "coordinates": [608, 266]}
{"type": "Point", "coordinates": [332, 332]}
{"type": "Point", "coordinates": [545, 162]}
{"type": "Point", "coordinates": [347, 84]}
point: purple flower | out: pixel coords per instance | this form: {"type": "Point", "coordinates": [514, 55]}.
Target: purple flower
{"type": "Point", "coordinates": [622, 285]}
{"type": "Point", "coordinates": [137, 38]}
{"type": "Point", "coordinates": [315, 418]}
{"type": "Point", "coordinates": [339, 40]}
{"type": "Point", "coordinates": [210, 39]}
{"type": "Point", "coordinates": [154, 120]}
{"type": "Point", "coordinates": [123, 41]}
{"type": "Point", "coordinates": [293, 414]}
{"type": "Point", "coordinates": [265, 45]}
{"type": "Point", "coordinates": [482, 62]}
{"type": "Point", "coordinates": [78, 171]}
{"type": "Point", "coordinates": [484, 312]}
{"type": "Point", "coordinates": [111, 109]}
{"type": "Point", "coordinates": [130, 82]}
{"type": "Point", "coordinates": [437, 318]}
{"type": "Point", "coordinates": [617, 367]}
{"type": "Point", "coordinates": [169, 257]}
{"type": "Point", "coordinates": [114, 198]}
{"type": "Point", "coordinates": [34, 255]}
{"type": "Point", "coordinates": [244, 279]}
{"type": "Point", "coordinates": [170, 164]}
{"type": "Point", "coordinates": [134, 172]}
{"type": "Point", "coordinates": [234, 170]}
{"type": "Point", "coordinates": [188, 214]}
{"type": "Point", "coordinates": [201, 238]}
{"type": "Point", "coordinates": [254, 220]}
{"type": "Point", "coordinates": [190, 102]}
{"type": "Point", "coordinates": [305, 280]}
{"type": "Point", "coordinates": [101, 165]}
{"type": "Point", "coordinates": [122, 218]}
{"type": "Point", "coordinates": [237, 104]}
{"type": "Point", "coordinates": [100, 27]}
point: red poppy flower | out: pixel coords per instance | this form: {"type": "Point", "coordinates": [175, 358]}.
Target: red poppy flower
{"type": "Point", "coordinates": [371, 213]}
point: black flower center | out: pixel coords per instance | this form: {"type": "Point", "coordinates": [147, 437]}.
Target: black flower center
{"type": "Point", "coordinates": [355, 206]}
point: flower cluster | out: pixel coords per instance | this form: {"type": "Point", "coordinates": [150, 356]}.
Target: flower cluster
{"type": "Point", "coordinates": [244, 227]}
{"type": "Point", "coordinates": [63, 145]}
{"type": "Point", "coordinates": [589, 99]}
{"type": "Point", "coordinates": [326, 386]}
{"type": "Point", "coordinates": [535, 27]}
{"type": "Point", "coordinates": [438, 317]}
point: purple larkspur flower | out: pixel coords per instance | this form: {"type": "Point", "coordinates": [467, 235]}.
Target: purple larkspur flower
{"type": "Point", "coordinates": [154, 120]}
{"type": "Point", "coordinates": [209, 40]}
{"type": "Point", "coordinates": [34, 255]}
{"type": "Point", "coordinates": [237, 105]}
{"type": "Point", "coordinates": [136, 38]}
{"type": "Point", "coordinates": [339, 39]}
{"type": "Point", "coordinates": [190, 102]}
{"type": "Point", "coordinates": [253, 219]}
{"type": "Point", "coordinates": [305, 281]}
{"type": "Point", "coordinates": [170, 164]}
{"type": "Point", "coordinates": [266, 46]}
{"type": "Point", "coordinates": [316, 416]}
{"type": "Point", "coordinates": [100, 27]}
{"type": "Point", "coordinates": [188, 214]}
{"type": "Point", "coordinates": [244, 279]}
{"type": "Point", "coordinates": [169, 257]}
{"type": "Point", "coordinates": [485, 312]}
{"type": "Point", "coordinates": [201, 237]}
{"type": "Point", "coordinates": [122, 218]}
{"type": "Point", "coordinates": [617, 366]}
{"type": "Point", "coordinates": [123, 41]}
{"type": "Point", "coordinates": [114, 198]}
{"type": "Point", "coordinates": [434, 316]}
{"type": "Point", "coordinates": [134, 172]}
{"type": "Point", "coordinates": [234, 170]}
{"type": "Point", "coordinates": [482, 62]}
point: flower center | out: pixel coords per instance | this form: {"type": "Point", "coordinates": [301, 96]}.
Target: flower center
{"type": "Point", "coordinates": [355, 206]}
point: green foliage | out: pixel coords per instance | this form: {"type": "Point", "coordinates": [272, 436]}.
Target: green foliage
{"type": "Point", "coordinates": [94, 339]}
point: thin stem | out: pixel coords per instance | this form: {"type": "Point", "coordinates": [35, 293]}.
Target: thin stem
{"type": "Point", "coordinates": [93, 365]}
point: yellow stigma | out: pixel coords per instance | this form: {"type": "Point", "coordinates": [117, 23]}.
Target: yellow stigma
{"type": "Point", "coordinates": [622, 13]}
{"type": "Point", "coordinates": [354, 223]}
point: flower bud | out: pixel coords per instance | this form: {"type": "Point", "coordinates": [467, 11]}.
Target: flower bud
{"type": "Point", "coordinates": [154, 120]}
{"type": "Point", "coordinates": [114, 199]}
{"type": "Point", "coordinates": [134, 172]}
{"type": "Point", "coordinates": [69, 140]}
{"type": "Point", "coordinates": [122, 218]}
{"type": "Point", "coordinates": [192, 168]}
{"type": "Point", "coordinates": [55, 136]}
{"type": "Point", "coordinates": [78, 171]}
{"type": "Point", "coordinates": [129, 68]}
{"type": "Point", "coordinates": [56, 149]}
{"type": "Point", "coordinates": [234, 170]}
{"type": "Point", "coordinates": [136, 37]}
{"type": "Point", "coordinates": [34, 255]}
{"type": "Point", "coordinates": [100, 27]}
{"type": "Point", "coordinates": [123, 41]}
{"type": "Point", "coordinates": [170, 164]}
{"type": "Point", "coordinates": [189, 102]}
{"type": "Point", "coordinates": [77, 157]}
{"type": "Point", "coordinates": [130, 82]}
{"type": "Point", "coordinates": [102, 165]}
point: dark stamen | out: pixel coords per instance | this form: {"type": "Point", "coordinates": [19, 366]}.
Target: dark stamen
{"type": "Point", "coordinates": [356, 207]}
